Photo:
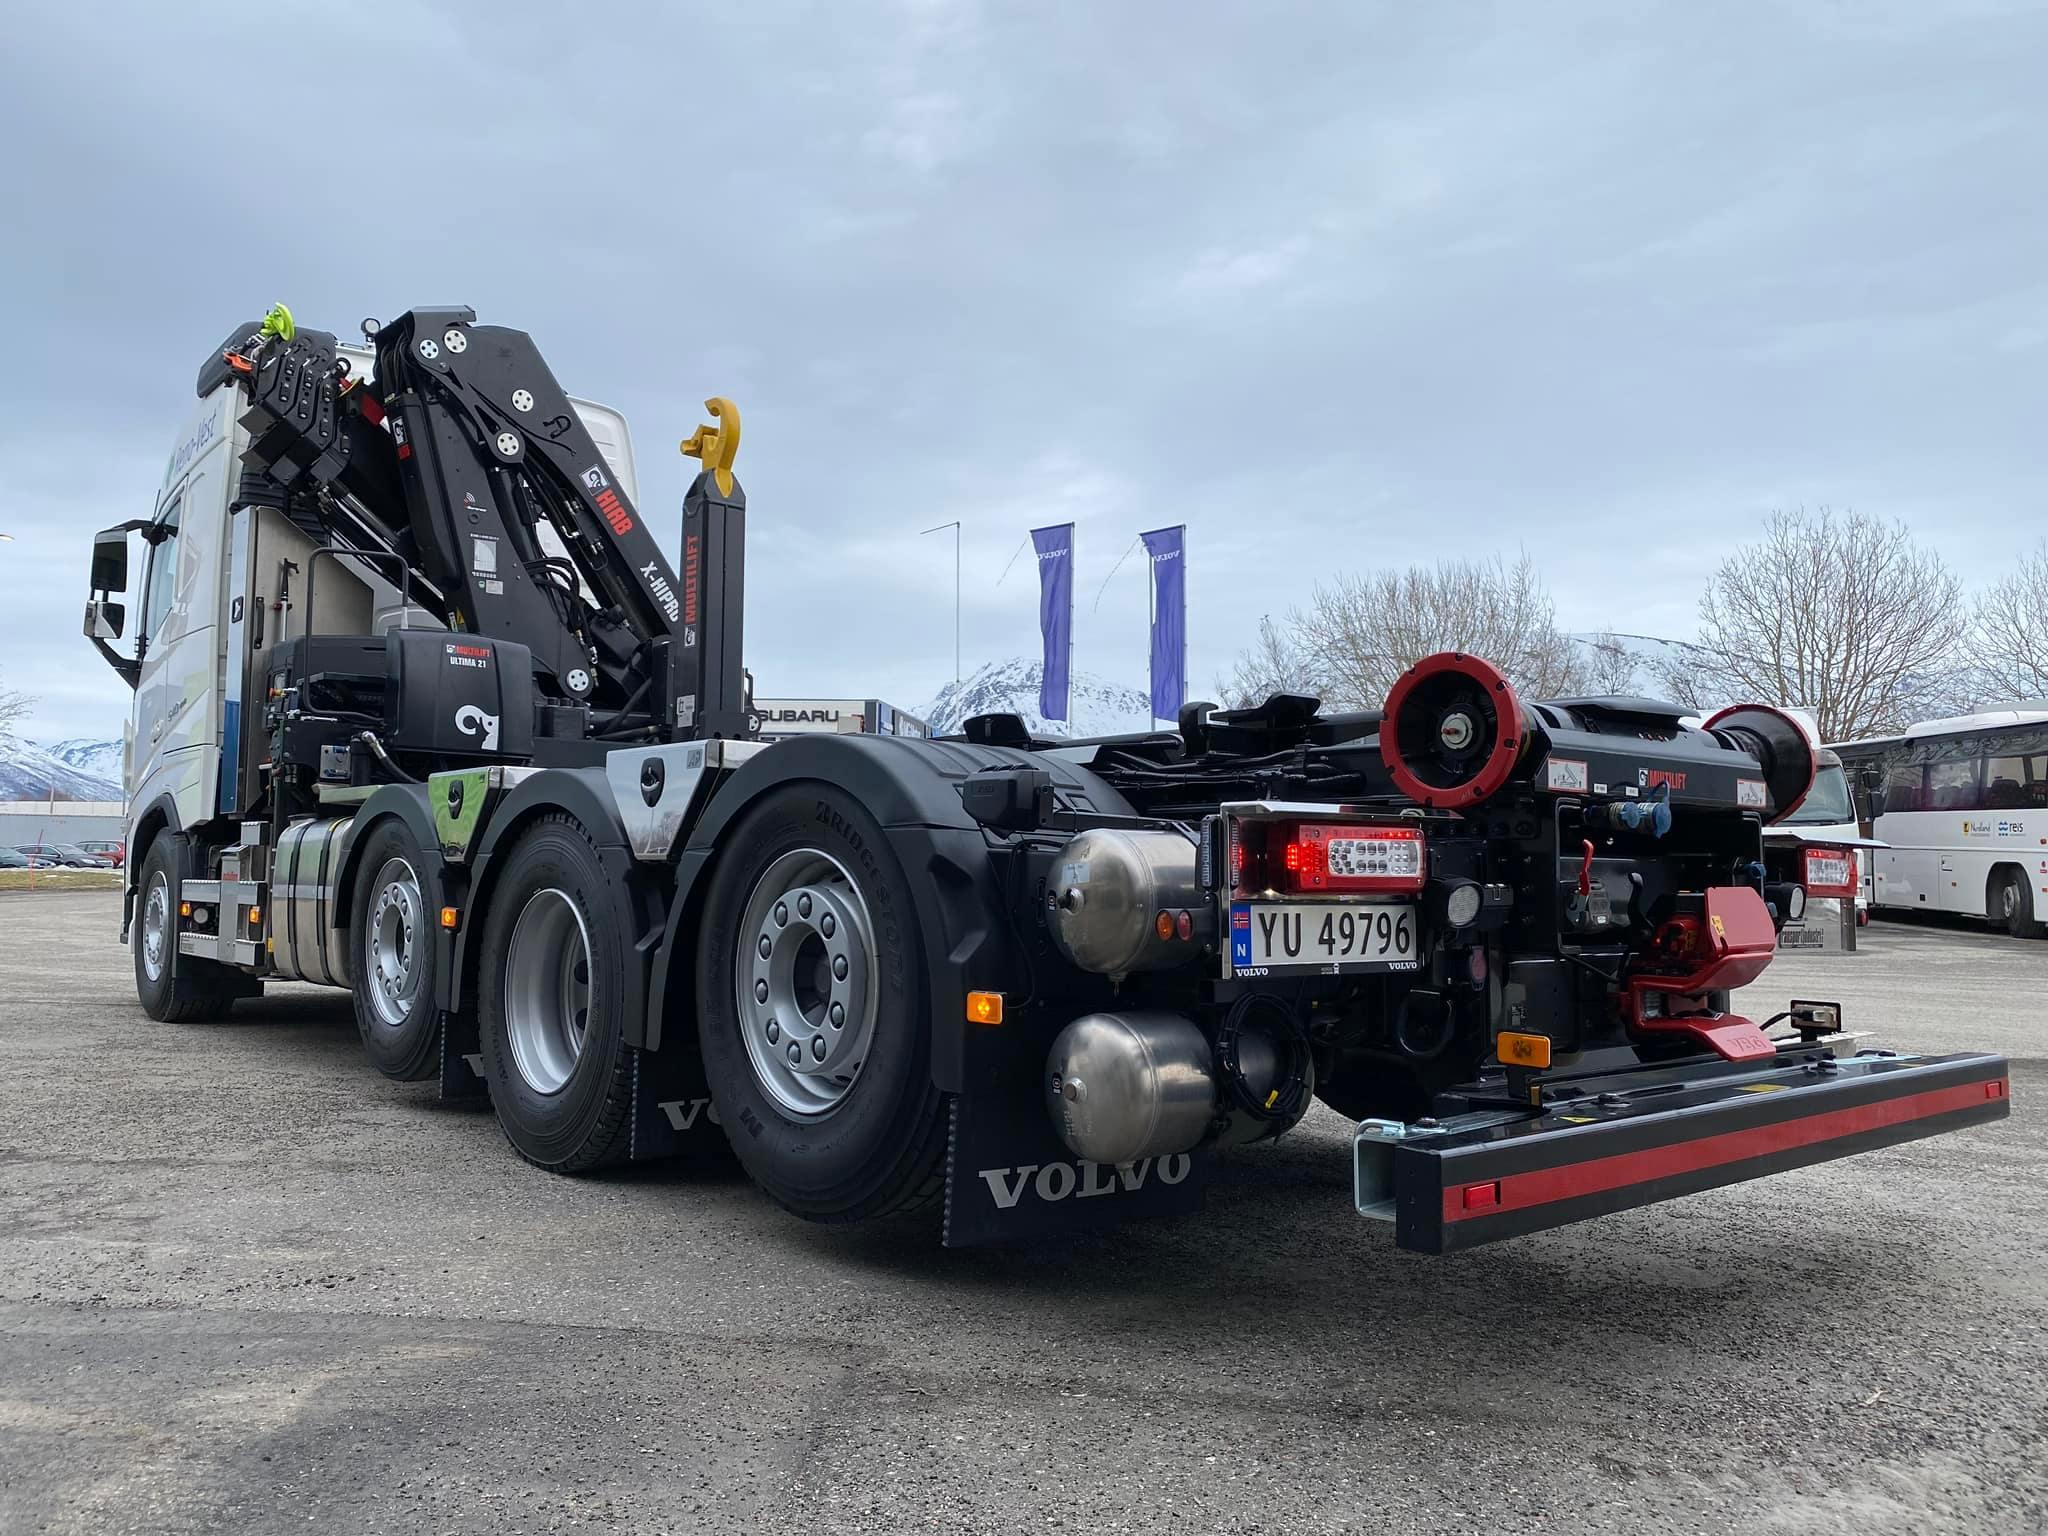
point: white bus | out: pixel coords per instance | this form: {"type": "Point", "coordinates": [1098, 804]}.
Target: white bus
{"type": "Point", "coordinates": [1963, 806]}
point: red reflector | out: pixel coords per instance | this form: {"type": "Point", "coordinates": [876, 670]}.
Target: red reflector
{"type": "Point", "coordinates": [1478, 1196]}
{"type": "Point", "coordinates": [1995, 1090]}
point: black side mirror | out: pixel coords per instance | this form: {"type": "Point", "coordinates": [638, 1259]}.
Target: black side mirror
{"type": "Point", "coordinates": [110, 560]}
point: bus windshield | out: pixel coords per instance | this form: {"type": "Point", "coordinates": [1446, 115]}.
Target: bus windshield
{"type": "Point", "coordinates": [1827, 803]}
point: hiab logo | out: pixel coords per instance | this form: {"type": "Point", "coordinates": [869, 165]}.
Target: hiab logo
{"type": "Point", "coordinates": [614, 510]}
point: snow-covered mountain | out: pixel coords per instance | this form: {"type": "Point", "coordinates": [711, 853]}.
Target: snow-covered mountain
{"type": "Point", "coordinates": [77, 769]}
{"type": "Point", "coordinates": [1098, 706]}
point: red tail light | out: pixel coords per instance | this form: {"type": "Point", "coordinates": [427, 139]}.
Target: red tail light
{"type": "Point", "coordinates": [1829, 872]}
{"type": "Point", "coordinates": [1316, 858]}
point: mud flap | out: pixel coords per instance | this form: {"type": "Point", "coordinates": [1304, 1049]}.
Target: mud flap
{"type": "Point", "coordinates": [462, 1068]}
{"type": "Point", "coordinates": [673, 1115]}
{"type": "Point", "coordinates": [1009, 1178]}
{"type": "Point", "coordinates": [1641, 1137]}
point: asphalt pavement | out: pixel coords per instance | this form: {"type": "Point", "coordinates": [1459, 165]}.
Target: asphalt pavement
{"type": "Point", "coordinates": [248, 1285]}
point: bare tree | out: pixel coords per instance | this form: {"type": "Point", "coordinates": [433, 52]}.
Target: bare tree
{"type": "Point", "coordinates": [1273, 665]}
{"type": "Point", "coordinates": [2009, 634]}
{"type": "Point", "coordinates": [1611, 667]}
{"type": "Point", "coordinates": [13, 707]}
{"type": "Point", "coordinates": [1365, 631]}
{"type": "Point", "coordinates": [1840, 614]}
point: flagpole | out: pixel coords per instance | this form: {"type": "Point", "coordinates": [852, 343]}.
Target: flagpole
{"type": "Point", "coordinates": [939, 528]}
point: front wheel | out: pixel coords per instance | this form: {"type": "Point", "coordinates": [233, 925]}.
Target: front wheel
{"type": "Point", "coordinates": [551, 989]}
{"type": "Point", "coordinates": [173, 987]}
{"type": "Point", "coordinates": [812, 1010]}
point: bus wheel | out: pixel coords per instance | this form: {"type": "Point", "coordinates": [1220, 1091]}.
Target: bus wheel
{"type": "Point", "coordinates": [551, 984]}
{"type": "Point", "coordinates": [2012, 904]}
{"type": "Point", "coordinates": [812, 1011]}
{"type": "Point", "coordinates": [392, 968]}
{"type": "Point", "coordinates": [173, 987]}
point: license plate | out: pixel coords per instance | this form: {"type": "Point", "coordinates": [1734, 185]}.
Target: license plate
{"type": "Point", "coordinates": [1267, 937]}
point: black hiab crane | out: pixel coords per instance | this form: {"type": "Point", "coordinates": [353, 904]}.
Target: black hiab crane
{"type": "Point", "coordinates": [1042, 984]}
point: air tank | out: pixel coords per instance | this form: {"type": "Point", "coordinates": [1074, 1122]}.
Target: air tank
{"type": "Point", "coordinates": [1108, 888]}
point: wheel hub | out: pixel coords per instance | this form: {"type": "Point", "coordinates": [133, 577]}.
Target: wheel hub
{"type": "Point", "coordinates": [396, 930]}
{"type": "Point", "coordinates": [804, 980]}
{"type": "Point", "coordinates": [156, 926]}
{"type": "Point", "coordinates": [547, 990]}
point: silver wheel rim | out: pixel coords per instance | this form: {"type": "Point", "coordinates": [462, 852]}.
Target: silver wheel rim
{"type": "Point", "coordinates": [547, 989]}
{"type": "Point", "coordinates": [396, 934]}
{"type": "Point", "coordinates": [804, 980]}
{"type": "Point", "coordinates": [156, 926]}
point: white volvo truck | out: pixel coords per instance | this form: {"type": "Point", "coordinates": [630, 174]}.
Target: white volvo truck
{"type": "Point", "coordinates": [422, 711]}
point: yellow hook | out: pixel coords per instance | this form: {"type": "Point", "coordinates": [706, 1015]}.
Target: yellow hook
{"type": "Point", "coordinates": [718, 445]}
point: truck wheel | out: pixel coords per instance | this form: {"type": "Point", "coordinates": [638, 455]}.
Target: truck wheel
{"type": "Point", "coordinates": [812, 1013]}
{"type": "Point", "coordinates": [391, 969]}
{"type": "Point", "coordinates": [173, 987]}
{"type": "Point", "coordinates": [2012, 904]}
{"type": "Point", "coordinates": [551, 983]}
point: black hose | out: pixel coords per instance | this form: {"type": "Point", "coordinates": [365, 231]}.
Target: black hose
{"type": "Point", "coordinates": [1287, 1098]}
{"type": "Point", "coordinates": [376, 749]}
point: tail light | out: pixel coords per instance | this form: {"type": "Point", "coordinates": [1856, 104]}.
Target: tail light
{"type": "Point", "coordinates": [1321, 858]}
{"type": "Point", "coordinates": [1829, 872]}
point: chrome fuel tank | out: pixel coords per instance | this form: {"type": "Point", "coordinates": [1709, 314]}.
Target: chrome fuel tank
{"type": "Point", "coordinates": [1109, 886]}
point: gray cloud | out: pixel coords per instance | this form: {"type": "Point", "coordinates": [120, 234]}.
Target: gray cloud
{"type": "Point", "coordinates": [1334, 285]}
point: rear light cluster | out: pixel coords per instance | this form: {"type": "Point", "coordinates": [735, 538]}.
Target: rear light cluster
{"type": "Point", "coordinates": [1829, 872]}
{"type": "Point", "coordinates": [1316, 858]}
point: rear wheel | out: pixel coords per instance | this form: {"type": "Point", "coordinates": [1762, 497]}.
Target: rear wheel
{"type": "Point", "coordinates": [173, 987]}
{"type": "Point", "coordinates": [2011, 904]}
{"type": "Point", "coordinates": [392, 969]}
{"type": "Point", "coordinates": [551, 986]}
{"type": "Point", "coordinates": [812, 1011]}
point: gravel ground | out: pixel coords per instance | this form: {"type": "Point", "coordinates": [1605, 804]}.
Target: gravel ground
{"type": "Point", "coordinates": [245, 1284]}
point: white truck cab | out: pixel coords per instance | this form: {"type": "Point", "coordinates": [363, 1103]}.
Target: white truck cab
{"type": "Point", "coordinates": [218, 591]}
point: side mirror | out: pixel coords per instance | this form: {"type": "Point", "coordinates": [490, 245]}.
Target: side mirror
{"type": "Point", "coordinates": [104, 620]}
{"type": "Point", "coordinates": [110, 561]}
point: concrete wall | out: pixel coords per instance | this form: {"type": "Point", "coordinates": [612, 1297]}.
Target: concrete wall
{"type": "Point", "coordinates": [60, 821]}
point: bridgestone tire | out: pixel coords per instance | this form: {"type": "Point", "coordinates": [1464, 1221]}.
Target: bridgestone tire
{"type": "Point", "coordinates": [881, 1146]}
{"type": "Point", "coordinates": [393, 954]}
{"type": "Point", "coordinates": [178, 989]}
{"type": "Point", "coordinates": [562, 1097]}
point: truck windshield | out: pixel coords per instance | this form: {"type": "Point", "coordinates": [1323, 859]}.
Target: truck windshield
{"type": "Point", "coordinates": [1827, 803]}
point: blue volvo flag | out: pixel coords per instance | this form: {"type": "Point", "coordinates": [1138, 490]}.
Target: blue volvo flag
{"type": "Point", "coordinates": [1168, 549]}
{"type": "Point", "coordinates": [1055, 547]}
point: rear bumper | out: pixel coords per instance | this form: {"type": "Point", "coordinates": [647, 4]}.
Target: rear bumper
{"type": "Point", "coordinates": [1651, 1135]}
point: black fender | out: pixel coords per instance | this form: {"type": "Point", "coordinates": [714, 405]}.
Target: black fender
{"type": "Point", "coordinates": [406, 803]}
{"type": "Point", "coordinates": [912, 787]}
{"type": "Point", "coordinates": [638, 907]}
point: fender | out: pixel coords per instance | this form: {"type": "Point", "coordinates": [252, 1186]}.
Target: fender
{"type": "Point", "coordinates": [636, 904]}
{"type": "Point", "coordinates": [911, 786]}
{"type": "Point", "coordinates": [406, 803]}
{"type": "Point", "coordinates": [159, 817]}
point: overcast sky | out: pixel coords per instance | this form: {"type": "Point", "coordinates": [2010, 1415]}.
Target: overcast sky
{"type": "Point", "coordinates": [1337, 285]}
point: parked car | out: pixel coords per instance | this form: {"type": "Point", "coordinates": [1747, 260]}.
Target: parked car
{"type": "Point", "coordinates": [117, 852]}
{"type": "Point", "coordinates": [70, 855]}
{"type": "Point", "coordinates": [10, 859]}
{"type": "Point", "coordinates": [27, 858]}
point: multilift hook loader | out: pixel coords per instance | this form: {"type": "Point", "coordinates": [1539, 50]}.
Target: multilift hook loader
{"type": "Point", "coordinates": [423, 711]}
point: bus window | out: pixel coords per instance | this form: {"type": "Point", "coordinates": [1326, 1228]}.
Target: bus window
{"type": "Point", "coordinates": [1953, 786]}
{"type": "Point", "coordinates": [1906, 789]}
{"type": "Point", "coordinates": [2016, 783]}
